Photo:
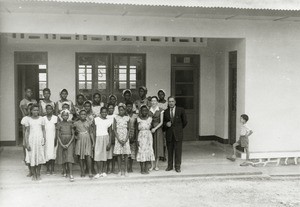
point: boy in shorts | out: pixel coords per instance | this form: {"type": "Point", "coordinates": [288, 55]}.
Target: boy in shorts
{"type": "Point", "coordinates": [243, 140]}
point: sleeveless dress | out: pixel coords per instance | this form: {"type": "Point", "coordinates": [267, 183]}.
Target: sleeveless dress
{"type": "Point", "coordinates": [84, 143]}
{"type": "Point", "coordinates": [43, 107]}
{"type": "Point", "coordinates": [122, 124]}
{"type": "Point", "coordinates": [36, 155]}
{"type": "Point", "coordinates": [65, 132]}
{"type": "Point", "coordinates": [50, 128]}
{"type": "Point", "coordinates": [158, 136]}
{"type": "Point", "coordinates": [145, 140]}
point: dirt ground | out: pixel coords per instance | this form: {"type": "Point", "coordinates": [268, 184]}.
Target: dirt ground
{"type": "Point", "coordinates": [148, 193]}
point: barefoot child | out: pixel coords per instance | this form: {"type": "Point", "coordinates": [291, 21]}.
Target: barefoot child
{"type": "Point", "coordinates": [84, 143]}
{"type": "Point", "coordinates": [111, 116]}
{"type": "Point", "coordinates": [122, 148]}
{"type": "Point", "coordinates": [50, 145]}
{"type": "Point", "coordinates": [132, 135]}
{"type": "Point", "coordinates": [23, 123]}
{"type": "Point", "coordinates": [145, 140]}
{"type": "Point", "coordinates": [35, 141]}
{"type": "Point", "coordinates": [65, 149]}
{"type": "Point", "coordinates": [243, 141]}
{"type": "Point", "coordinates": [103, 142]}
{"type": "Point", "coordinates": [45, 101]}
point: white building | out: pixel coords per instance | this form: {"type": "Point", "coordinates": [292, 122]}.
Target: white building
{"type": "Point", "coordinates": [219, 58]}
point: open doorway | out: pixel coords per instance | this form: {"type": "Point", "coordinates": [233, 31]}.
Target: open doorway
{"type": "Point", "coordinates": [31, 72]}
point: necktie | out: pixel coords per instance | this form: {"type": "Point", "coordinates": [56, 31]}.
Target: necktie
{"type": "Point", "coordinates": [172, 115]}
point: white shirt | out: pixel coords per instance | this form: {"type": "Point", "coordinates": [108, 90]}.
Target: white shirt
{"type": "Point", "coordinates": [102, 126]}
{"type": "Point", "coordinates": [154, 110]}
{"type": "Point", "coordinates": [244, 130]}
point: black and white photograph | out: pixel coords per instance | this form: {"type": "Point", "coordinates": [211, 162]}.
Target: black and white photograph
{"type": "Point", "coordinates": [150, 103]}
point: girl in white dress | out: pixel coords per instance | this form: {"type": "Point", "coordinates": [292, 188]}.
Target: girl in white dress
{"type": "Point", "coordinates": [35, 141]}
{"type": "Point", "coordinates": [103, 151]}
{"type": "Point", "coordinates": [97, 104]}
{"type": "Point", "coordinates": [50, 145]}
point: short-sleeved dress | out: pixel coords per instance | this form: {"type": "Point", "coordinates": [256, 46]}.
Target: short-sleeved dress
{"type": "Point", "coordinates": [24, 121]}
{"type": "Point", "coordinates": [96, 109]}
{"type": "Point", "coordinates": [132, 134]}
{"type": "Point", "coordinates": [36, 156]}
{"type": "Point", "coordinates": [145, 140]}
{"type": "Point", "coordinates": [65, 133]}
{"type": "Point", "coordinates": [121, 130]}
{"type": "Point", "coordinates": [50, 128]}
{"type": "Point", "coordinates": [102, 139]}
{"type": "Point", "coordinates": [158, 135]}
{"type": "Point", "coordinates": [83, 143]}
{"type": "Point", "coordinates": [43, 106]}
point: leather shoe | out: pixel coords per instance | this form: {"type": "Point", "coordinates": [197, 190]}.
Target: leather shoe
{"type": "Point", "coordinates": [169, 169]}
{"type": "Point", "coordinates": [178, 170]}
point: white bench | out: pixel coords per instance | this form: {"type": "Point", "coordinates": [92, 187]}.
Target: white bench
{"type": "Point", "coordinates": [273, 157]}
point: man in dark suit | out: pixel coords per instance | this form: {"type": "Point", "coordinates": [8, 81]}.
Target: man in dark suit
{"type": "Point", "coordinates": [174, 122]}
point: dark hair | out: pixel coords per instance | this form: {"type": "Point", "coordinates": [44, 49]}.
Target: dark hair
{"type": "Point", "coordinates": [144, 106]}
{"type": "Point", "coordinates": [96, 94]}
{"type": "Point", "coordinates": [152, 97]}
{"type": "Point", "coordinates": [49, 105]}
{"type": "Point", "coordinates": [64, 90]}
{"type": "Point", "coordinates": [79, 96]}
{"type": "Point", "coordinates": [34, 106]}
{"type": "Point", "coordinates": [245, 117]}
{"type": "Point", "coordinates": [103, 108]}
{"type": "Point", "coordinates": [110, 104]}
{"type": "Point", "coordinates": [171, 97]}
{"type": "Point", "coordinates": [129, 103]}
{"type": "Point", "coordinates": [27, 88]}
{"type": "Point", "coordinates": [46, 89]}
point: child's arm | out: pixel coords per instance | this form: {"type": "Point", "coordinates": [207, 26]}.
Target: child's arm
{"type": "Point", "coordinates": [55, 135]}
{"type": "Point", "coordinates": [115, 131]}
{"type": "Point", "coordinates": [127, 136]}
{"type": "Point", "coordinates": [23, 110]}
{"type": "Point", "coordinates": [40, 108]}
{"type": "Point", "coordinates": [27, 130]}
{"type": "Point", "coordinates": [110, 139]}
{"type": "Point", "coordinates": [91, 131]}
{"type": "Point", "coordinates": [58, 137]}
{"type": "Point", "coordinates": [249, 133]}
{"type": "Point", "coordinates": [44, 134]}
{"type": "Point", "coordinates": [72, 139]}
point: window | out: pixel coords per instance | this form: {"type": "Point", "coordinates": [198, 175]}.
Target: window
{"type": "Point", "coordinates": [42, 79]}
{"type": "Point", "coordinates": [109, 73]}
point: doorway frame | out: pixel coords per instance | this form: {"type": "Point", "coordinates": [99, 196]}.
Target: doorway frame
{"type": "Point", "coordinates": [198, 92]}
{"type": "Point", "coordinates": [25, 58]}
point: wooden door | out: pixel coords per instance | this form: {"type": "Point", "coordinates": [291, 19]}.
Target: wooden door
{"type": "Point", "coordinates": [28, 77]}
{"type": "Point", "coordinates": [185, 87]}
{"type": "Point", "coordinates": [232, 59]}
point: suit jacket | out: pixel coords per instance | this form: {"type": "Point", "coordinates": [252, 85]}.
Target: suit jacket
{"type": "Point", "coordinates": [178, 124]}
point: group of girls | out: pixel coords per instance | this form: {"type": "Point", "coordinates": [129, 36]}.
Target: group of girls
{"type": "Point", "coordinates": [92, 133]}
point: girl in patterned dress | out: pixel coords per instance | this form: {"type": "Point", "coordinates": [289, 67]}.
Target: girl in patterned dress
{"type": "Point", "coordinates": [145, 140]}
{"type": "Point", "coordinates": [46, 101]}
{"type": "Point", "coordinates": [50, 145]}
{"type": "Point", "coordinates": [132, 135]}
{"type": "Point", "coordinates": [97, 104]}
{"type": "Point", "coordinates": [111, 116]}
{"type": "Point", "coordinates": [122, 148]}
{"type": "Point", "coordinates": [65, 149]}
{"type": "Point", "coordinates": [85, 142]}
{"type": "Point", "coordinates": [35, 141]}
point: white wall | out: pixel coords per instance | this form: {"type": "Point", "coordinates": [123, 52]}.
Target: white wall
{"type": "Point", "coordinates": [272, 78]}
{"type": "Point", "coordinates": [61, 74]}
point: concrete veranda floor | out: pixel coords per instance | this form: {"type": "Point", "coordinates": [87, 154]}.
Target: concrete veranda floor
{"type": "Point", "coordinates": [200, 159]}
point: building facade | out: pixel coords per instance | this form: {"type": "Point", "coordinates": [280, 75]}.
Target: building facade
{"type": "Point", "coordinates": [218, 62]}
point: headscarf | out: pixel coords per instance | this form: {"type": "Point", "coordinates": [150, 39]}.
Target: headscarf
{"type": "Point", "coordinates": [65, 111]}
{"type": "Point", "coordinates": [65, 102]}
{"type": "Point", "coordinates": [112, 95]}
{"type": "Point", "coordinates": [63, 90]}
{"type": "Point", "coordinates": [144, 88]}
{"type": "Point", "coordinates": [126, 91]}
{"type": "Point", "coordinates": [121, 105]}
{"type": "Point", "coordinates": [161, 90]}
